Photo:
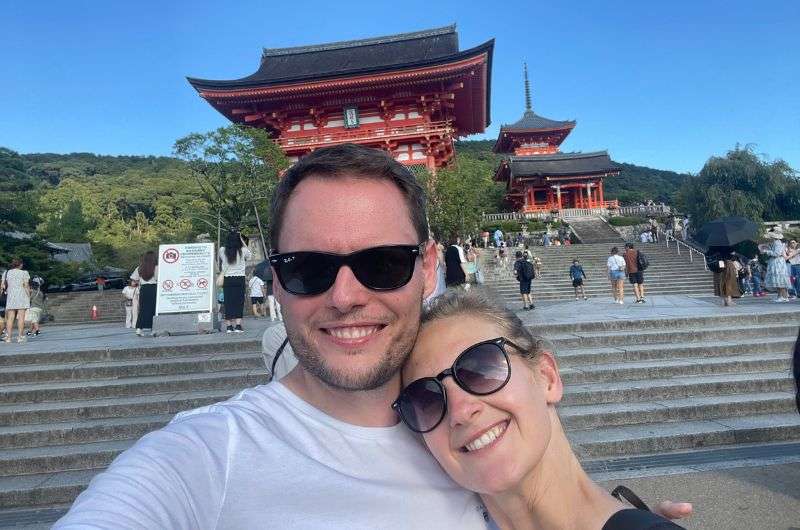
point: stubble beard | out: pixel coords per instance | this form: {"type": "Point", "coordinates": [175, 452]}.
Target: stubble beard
{"type": "Point", "coordinates": [345, 378]}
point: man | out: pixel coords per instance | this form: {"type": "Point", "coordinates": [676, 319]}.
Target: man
{"type": "Point", "coordinates": [322, 448]}
{"type": "Point", "coordinates": [635, 274]}
{"type": "Point", "coordinates": [524, 272]}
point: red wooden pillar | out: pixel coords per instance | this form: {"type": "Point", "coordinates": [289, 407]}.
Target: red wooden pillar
{"type": "Point", "coordinates": [600, 189]}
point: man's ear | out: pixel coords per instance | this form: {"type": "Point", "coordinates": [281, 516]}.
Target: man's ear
{"type": "Point", "coordinates": [429, 259]}
{"type": "Point", "coordinates": [547, 370]}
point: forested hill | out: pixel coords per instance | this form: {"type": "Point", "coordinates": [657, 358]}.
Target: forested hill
{"type": "Point", "coordinates": [634, 184]}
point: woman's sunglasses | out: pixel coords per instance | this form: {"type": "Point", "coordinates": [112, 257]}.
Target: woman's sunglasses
{"type": "Point", "coordinates": [481, 369]}
{"type": "Point", "coordinates": [378, 268]}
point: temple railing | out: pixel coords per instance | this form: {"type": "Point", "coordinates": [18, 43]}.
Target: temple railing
{"type": "Point", "coordinates": [634, 211]}
{"type": "Point", "coordinates": [365, 134]}
{"type": "Point", "coordinates": [682, 246]}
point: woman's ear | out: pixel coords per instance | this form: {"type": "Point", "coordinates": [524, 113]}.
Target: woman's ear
{"type": "Point", "coordinates": [547, 370]}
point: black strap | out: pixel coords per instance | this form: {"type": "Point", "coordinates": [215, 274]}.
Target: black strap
{"type": "Point", "coordinates": [622, 492]}
{"type": "Point", "coordinates": [277, 356]}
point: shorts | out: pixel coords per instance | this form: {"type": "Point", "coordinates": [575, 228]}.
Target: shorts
{"type": "Point", "coordinates": [636, 277]}
{"type": "Point", "coordinates": [577, 282]}
{"type": "Point", "coordinates": [525, 287]}
{"type": "Point", "coordinates": [256, 300]}
{"type": "Point", "coordinates": [616, 275]}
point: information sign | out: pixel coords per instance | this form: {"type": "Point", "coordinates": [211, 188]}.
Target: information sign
{"type": "Point", "coordinates": [185, 272]}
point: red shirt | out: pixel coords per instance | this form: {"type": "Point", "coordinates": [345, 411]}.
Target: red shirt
{"type": "Point", "coordinates": [630, 260]}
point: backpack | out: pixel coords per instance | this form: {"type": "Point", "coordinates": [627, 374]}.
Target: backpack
{"type": "Point", "coordinates": [641, 261]}
{"type": "Point", "coordinates": [526, 271]}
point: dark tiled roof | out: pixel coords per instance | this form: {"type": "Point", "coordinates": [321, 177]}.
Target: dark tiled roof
{"type": "Point", "coordinates": [532, 121]}
{"type": "Point", "coordinates": [338, 59]}
{"type": "Point", "coordinates": [559, 164]}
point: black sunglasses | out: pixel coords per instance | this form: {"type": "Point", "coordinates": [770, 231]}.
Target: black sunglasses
{"type": "Point", "coordinates": [381, 268]}
{"type": "Point", "coordinates": [481, 369]}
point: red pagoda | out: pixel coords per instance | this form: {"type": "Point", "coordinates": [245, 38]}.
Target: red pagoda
{"type": "Point", "coordinates": [410, 94]}
{"type": "Point", "coordinates": [539, 177]}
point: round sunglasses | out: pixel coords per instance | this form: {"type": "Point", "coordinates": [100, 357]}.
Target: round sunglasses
{"type": "Point", "coordinates": [482, 369]}
{"type": "Point", "coordinates": [383, 268]}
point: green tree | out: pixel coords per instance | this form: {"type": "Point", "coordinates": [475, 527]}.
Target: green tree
{"type": "Point", "coordinates": [741, 183]}
{"type": "Point", "coordinates": [236, 169]}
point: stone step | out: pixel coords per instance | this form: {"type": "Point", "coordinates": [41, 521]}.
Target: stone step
{"type": "Point", "coordinates": [136, 386]}
{"type": "Point", "coordinates": [673, 334]}
{"type": "Point", "coordinates": [671, 368]}
{"type": "Point", "coordinates": [148, 350]}
{"type": "Point", "coordinates": [662, 437]}
{"type": "Point", "coordinates": [117, 407]}
{"type": "Point", "coordinates": [44, 489]}
{"type": "Point", "coordinates": [70, 457]}
{"type": "Point", "coordinates": [601, 415]}
{"type": "Point", "coordinates": [81, 431]}
{"type": "Point", "coordinates": [569, 357]}
{"type": "Point", "coordinates": [678, 387]}
{"type": "Point", "coordinates": [130, 368]}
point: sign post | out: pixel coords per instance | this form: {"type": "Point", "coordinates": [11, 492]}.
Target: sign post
{"type": "Point", "coordinates": [185, 291]}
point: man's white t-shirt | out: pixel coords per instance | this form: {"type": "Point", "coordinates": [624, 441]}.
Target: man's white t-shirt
{"type": "Point", "coordinates": [267, 459]}
{"type": "Point", "coordinates": [256, 287]}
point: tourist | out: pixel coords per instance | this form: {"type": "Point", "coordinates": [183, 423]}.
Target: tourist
{"type": "Point", "coordinates": [128, 294]}
{"type": "Point", "coordinates": [146, 276]}
{"type": "Point", "coordinates": [726, 278]}
{"type": "Point", "coordinates": [101, 281]}
{"type": "Point", "coordinates": [470, 265]}
{"type": "Point", "coordinates": [635, 274]}
{"type": "Point", "coordinates": [441, 267]}
{"type": "Point", "coordinates": [485, 238]}
{"type": "Point", "coordinates": [33, 316]}
{"type": "Point", "coordinates": [616, 274]}
{"type": "Point", "coordinates": [776, 277]}
{"type": "Point", "coordinates": [256, 286]}
{"type": "Point", "coordinates": [577, 275]}
{"type": "Point", "coordinates": [476, 378]}
{"type": "Point", "coordinates": [524, 272]}
{"type": "Point", "coordinates": [756, 276]}
{"type": "Point", "coordinates": [18, 298]}
{"type": "Point", "coordinates": [453, 258]}
{"type": "Point", "coordinates": [321, 448]}
{"type": "Point", "coordinates": [498, 237]}
{"type": "Point", "coordinates": [233, 259]}
{"type": "Point", "coordinates": [793, 258]}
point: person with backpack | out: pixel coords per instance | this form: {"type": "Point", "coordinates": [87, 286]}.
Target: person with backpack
{"type": "Point", "coordinates": [635, 263]}
{"type": "Point", "coordinates": [577, 276]}
{"type": "Point", "coordinates": [525, 273]}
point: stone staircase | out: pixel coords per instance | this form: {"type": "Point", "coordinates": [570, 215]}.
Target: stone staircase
{"type": "Point", "coordinates": [73, 308]}
{"type": "Point", "coordinates": [659, 385]}
{"type": "Point", "coordinates": [668, 273]}
{"type": "Point", "coordinates": [65, 415]}
{"type": "Point", "coordinates": [594, 230]}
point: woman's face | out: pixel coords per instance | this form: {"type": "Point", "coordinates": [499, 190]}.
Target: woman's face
{"type": "Point", "coordinates": [520, 414]}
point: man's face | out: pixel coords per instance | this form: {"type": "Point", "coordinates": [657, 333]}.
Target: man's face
{"type": "Point", "coordinates": [351, 337]}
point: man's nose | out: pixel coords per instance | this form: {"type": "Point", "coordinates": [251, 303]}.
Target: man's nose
{"type": "Point", "coordinates": [347, 292]}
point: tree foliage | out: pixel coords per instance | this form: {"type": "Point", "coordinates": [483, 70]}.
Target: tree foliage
{"type": "Point", "coordinates": [742, 183]}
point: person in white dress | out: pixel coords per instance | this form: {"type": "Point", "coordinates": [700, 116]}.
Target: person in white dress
{"type": "Point", "coordinates": [15, 283]}
{"type": "Point", "coordinates": [128, 294]}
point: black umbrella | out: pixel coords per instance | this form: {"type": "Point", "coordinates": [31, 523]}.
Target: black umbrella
{"type": "Point", "coordinates": [727, 232]}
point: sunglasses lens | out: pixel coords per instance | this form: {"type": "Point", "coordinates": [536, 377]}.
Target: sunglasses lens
{"type": "Point", "coordinates": [422, 404]}
{"type": "Point", "coordinates": [482, 369]}
{"type": "Point", "coordinates": [308, 272]}
{"type": "Point", "coordinates": [384, 268]}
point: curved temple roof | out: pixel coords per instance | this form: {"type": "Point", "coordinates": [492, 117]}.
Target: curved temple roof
{"type": "Point", "coordinates": [531, 121]}
{"type": "Point", "coordinates": [561, 164]}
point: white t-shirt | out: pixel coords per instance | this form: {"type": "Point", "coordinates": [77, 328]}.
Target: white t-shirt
{"type": "Point", "coordinates": [128, 292]}
{"type": "Point", "coordinates": [256, 287]}
{"type": "Point", "coordinates": [616, 263]}
{"type": "Point", "coordinates": [135, 276]}
{"type": "Point", "coordinates": [267, 459]}
{"type": "Point", "coordinates": [237, 267]}
{"type": "Point", "coordinates": [270, 343]}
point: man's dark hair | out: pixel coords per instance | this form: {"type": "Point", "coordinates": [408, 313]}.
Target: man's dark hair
{"type": "Point", "coordinates": [352, 161]}
{"type": "Point", "coordinates": [628, 245]}
{"type": "Point", "coordinates": [614, 250]}
{"type": "Point", "coordinates": [518, 254]}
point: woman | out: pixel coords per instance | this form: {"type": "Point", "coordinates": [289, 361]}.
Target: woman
{"type": "Point", "coordinates": [471, 265]}
{"type": "Point", "coordinates": [793, 258]}
{"type": "Point", "coordinates": [495, 429]}
{"type": "Point", "coordinates": [128, 294]}
{"type": "Point", "coordinates": [233, 257]}
{"type": "Point", "coordinates": [777, 277]}
{"type": "Point", "coordinates": [616, 274]}
{"type": "Point", "coordinates": [726, 278]}
{"type": "Point", "coordinates": [146, 275]}
{"type": "Point", "coordinates": [15, 283]}
{"type": "Point", "coordinates": [454, 272]}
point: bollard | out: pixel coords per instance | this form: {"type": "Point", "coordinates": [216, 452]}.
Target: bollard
{"type": "Point", "coordinates": [94, 313]}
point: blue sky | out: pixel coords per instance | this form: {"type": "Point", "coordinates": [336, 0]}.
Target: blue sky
{"type": "Point", "coordinates": [663, 84]}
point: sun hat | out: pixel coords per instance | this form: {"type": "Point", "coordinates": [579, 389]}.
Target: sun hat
{"type": "Point", "coordinates": [774, 233]}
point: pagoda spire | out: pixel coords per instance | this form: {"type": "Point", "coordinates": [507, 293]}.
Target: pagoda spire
{"type": "Point", "coordinates": [527, 89]}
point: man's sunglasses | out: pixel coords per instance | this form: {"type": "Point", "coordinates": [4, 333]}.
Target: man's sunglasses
{"type": "Point", "coordinates": [378, 268]}
{"type": "Point", "coordinates": [481, 369]}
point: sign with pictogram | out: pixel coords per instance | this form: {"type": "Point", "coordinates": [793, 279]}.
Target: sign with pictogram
{"type": "Point", "coordinates": [183, 278]}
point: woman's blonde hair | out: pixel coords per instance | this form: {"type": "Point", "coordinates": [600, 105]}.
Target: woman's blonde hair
{"type": "Point", "coordinates": [477, 303]}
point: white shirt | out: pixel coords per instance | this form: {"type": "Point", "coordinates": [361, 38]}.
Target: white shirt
{"type": "Point", "coordinates": [270, 343]}
{"type": "Point", "coordinates": [256, 287]}
{"type": "Point", "coordinates": [616, 263]}
{"type": "Point", "coordinates": [237, 267]}
{"type": "Point", "coordinates": [267, 459]}
{"type": "Point", "coordinates": [135, 276]}
{"type": "Point", "coordinates": [128, 292]}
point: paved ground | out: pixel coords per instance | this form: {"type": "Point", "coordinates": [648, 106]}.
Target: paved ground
{"type": "Point", "coordinates": [745, 498]}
